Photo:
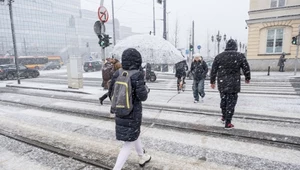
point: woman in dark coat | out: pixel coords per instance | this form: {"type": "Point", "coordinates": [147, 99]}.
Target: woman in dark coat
{"type": "Point", "coordinates": [281, 62]}
{"type": "Point", "coordinates": [128, 127]}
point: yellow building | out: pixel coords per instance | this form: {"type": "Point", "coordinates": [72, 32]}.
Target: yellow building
{"type": "Point", "coordinates": [271, 25]}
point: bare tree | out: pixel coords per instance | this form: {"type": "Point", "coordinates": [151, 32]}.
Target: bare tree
{"type": "Point", "coordinates": [176, 33]}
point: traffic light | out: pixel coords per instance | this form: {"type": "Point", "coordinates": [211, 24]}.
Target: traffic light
{"type": "Point", "coordinates": [101, 40]}
{"type": "Point", "coordinates": [104, 40]}
{"type": "Point", "coordinates": [191, 47]}
{"type": "Point", "coordinates": [295, 40]}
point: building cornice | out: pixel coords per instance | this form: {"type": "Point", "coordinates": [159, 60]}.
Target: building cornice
{"type": "Point", "coordinates": [272, 19]}
{"type": "Point", "coordinates": [273, 9]}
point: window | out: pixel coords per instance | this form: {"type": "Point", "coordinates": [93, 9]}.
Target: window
{"type": "Point", "coordinates": [277, 3]}
{"type": "Point", "coordinates": [274, 40]}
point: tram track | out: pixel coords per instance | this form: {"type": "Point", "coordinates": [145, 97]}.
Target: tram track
{"type": "Point", "coordinates": [264, 138]}
{"type": "Point", "coordinates": [53, 149]}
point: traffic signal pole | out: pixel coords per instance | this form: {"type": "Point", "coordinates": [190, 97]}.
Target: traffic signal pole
{"type": "Point", "coordinates": [297, 52]}
{"type": "Point", "coordinates": [14, 38]}
{"type": "Point", "coordinates": [113, 17]}
{"type": "Point", "coordinates": [103, 31]}
{"type": "Point", "coordinates": [193, 38]}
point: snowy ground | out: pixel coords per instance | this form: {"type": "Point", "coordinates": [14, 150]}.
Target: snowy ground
{"type": "Point", "coordinates": [76, 122]}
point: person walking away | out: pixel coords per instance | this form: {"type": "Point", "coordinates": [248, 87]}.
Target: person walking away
{"type": "Point", "coordinates": [107, 72]}
{"type": "Point", "coordinates": [199, 70]}
{"type": "Point", "coordinates": [148, 71]}
{"type": "Point", "coordinates": [181, 68]}
{"type": "Point", "coordinates": [128, 116]}
{"type": "Point", "coordinates": [281, 62]}
{"type": "Point", "coordinates": [116, 66]}
{"type": "Point", "coordinates": [226, 67]}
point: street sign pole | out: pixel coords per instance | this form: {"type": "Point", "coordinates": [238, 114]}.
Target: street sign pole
{"type": "Point", "coordinates": [103, 31]}
{"type": "Point", "coordinates": [113, 17]}
{"type": "Point", "coordinates": [297, 52]}
{"type": "Point", "coordinates": [199, 48]}
{"type": "Point", "coordinates": [14, 39]}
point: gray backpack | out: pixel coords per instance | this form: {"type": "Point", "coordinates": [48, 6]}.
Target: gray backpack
{"type": "Point", "coordinates": [122, 94]}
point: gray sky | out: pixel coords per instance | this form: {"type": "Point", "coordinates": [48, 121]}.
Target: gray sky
{"type": "Point", "coordinates": [228, 16]}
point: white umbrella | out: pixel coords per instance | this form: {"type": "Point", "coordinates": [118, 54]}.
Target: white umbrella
{"type": "Point", "coordinates": [153, 49]}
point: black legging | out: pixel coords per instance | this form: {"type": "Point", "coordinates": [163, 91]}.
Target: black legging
{"type": "Point", "coordinates": [179, 80]}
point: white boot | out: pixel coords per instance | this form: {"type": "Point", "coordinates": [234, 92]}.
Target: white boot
{"type": "Point", "coordinates": [144, 159]}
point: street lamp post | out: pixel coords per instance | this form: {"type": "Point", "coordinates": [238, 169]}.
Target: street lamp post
{"type": "Point", "coordinates": [14, 38]}
{"type": "Point", "coordinates": [219, 38]}
{"type": "Point", "coordinates": [213, 40]}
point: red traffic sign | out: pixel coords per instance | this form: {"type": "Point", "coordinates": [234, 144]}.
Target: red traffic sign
{"type": "Point", "coordinates": [103, 14]}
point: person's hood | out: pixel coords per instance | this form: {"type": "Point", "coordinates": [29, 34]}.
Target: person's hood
{"type": "Point", "coordinates": [131, 59]}
{"type": "Point", "coordinates": [231, 45]}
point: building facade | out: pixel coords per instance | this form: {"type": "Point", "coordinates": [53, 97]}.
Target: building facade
{"type": "Point", "coordinates": [271, 26]}
{"type": "Point", "coordinates": [51, 27]}
{"type": "Point", "coordinates": [42, 27]}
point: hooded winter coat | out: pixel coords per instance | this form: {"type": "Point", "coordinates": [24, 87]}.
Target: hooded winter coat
{"type": "Point", "coordinates": [199, 69]}
{"type": "Point", "coordinates": [227, 66]}
{"type": "Point", "coordinates": [128, 128]}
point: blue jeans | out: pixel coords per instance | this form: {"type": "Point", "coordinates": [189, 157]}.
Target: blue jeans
{"type": "Point", "coordinates": [198, 89]}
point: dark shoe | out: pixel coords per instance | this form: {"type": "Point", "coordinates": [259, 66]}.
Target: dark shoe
{"type": "Point", "coordinates": [229, 126]}
{"type": "Point", "coordinates": [101, 100]}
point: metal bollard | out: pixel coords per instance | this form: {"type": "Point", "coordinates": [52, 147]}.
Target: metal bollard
{"type": "Point", "coordinates": [269, 68]}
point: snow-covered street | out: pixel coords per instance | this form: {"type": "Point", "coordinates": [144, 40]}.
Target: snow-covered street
{"type": "Point", "coordinates": [176, 132]}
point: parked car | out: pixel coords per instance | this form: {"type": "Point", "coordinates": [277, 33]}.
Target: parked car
{"type": "Point", "coordinates": [52, 66]}
{"type": "Point", "coordinates": [92, 66]}
{"type": "Point", "coordinates": [9, 72]}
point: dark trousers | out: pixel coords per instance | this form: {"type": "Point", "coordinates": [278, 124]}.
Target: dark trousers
{"type": "Point", "coordinates": [228, 103]}
{"type": "Point", "coordinates": [281, 68]}
{"type": "Point", "coordinates": [198, 89]}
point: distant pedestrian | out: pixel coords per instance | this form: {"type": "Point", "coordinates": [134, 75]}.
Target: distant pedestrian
{"type": "Point", "coordinates": [226, 67]}
{"type": "Point", "coordinates": [281, 62]}
{"type": "Point", "coordinates": [181, 68]}
{"type": "Point", "coordinates": [199, 70]}
{"type": "Point", "coordinates": [128, 108]}
{"type": "Point", "coordinates": [107, 72]}
{"type": "Point", "coordinates": [148, 71]}
{"type": "Point", "coordinates": [116, 66]}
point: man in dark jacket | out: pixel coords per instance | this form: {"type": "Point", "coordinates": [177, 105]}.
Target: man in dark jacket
{"type": "Point", "coordinates": [181, 68]}
{"type": "Point", "coordinates": [226, 67]}
{"type": "Point", "coordinates": [128, 127]}
{"type": "Point", "coordinates": [281, 62]}
{"type": "Point", "coordinates": [199, 70]}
